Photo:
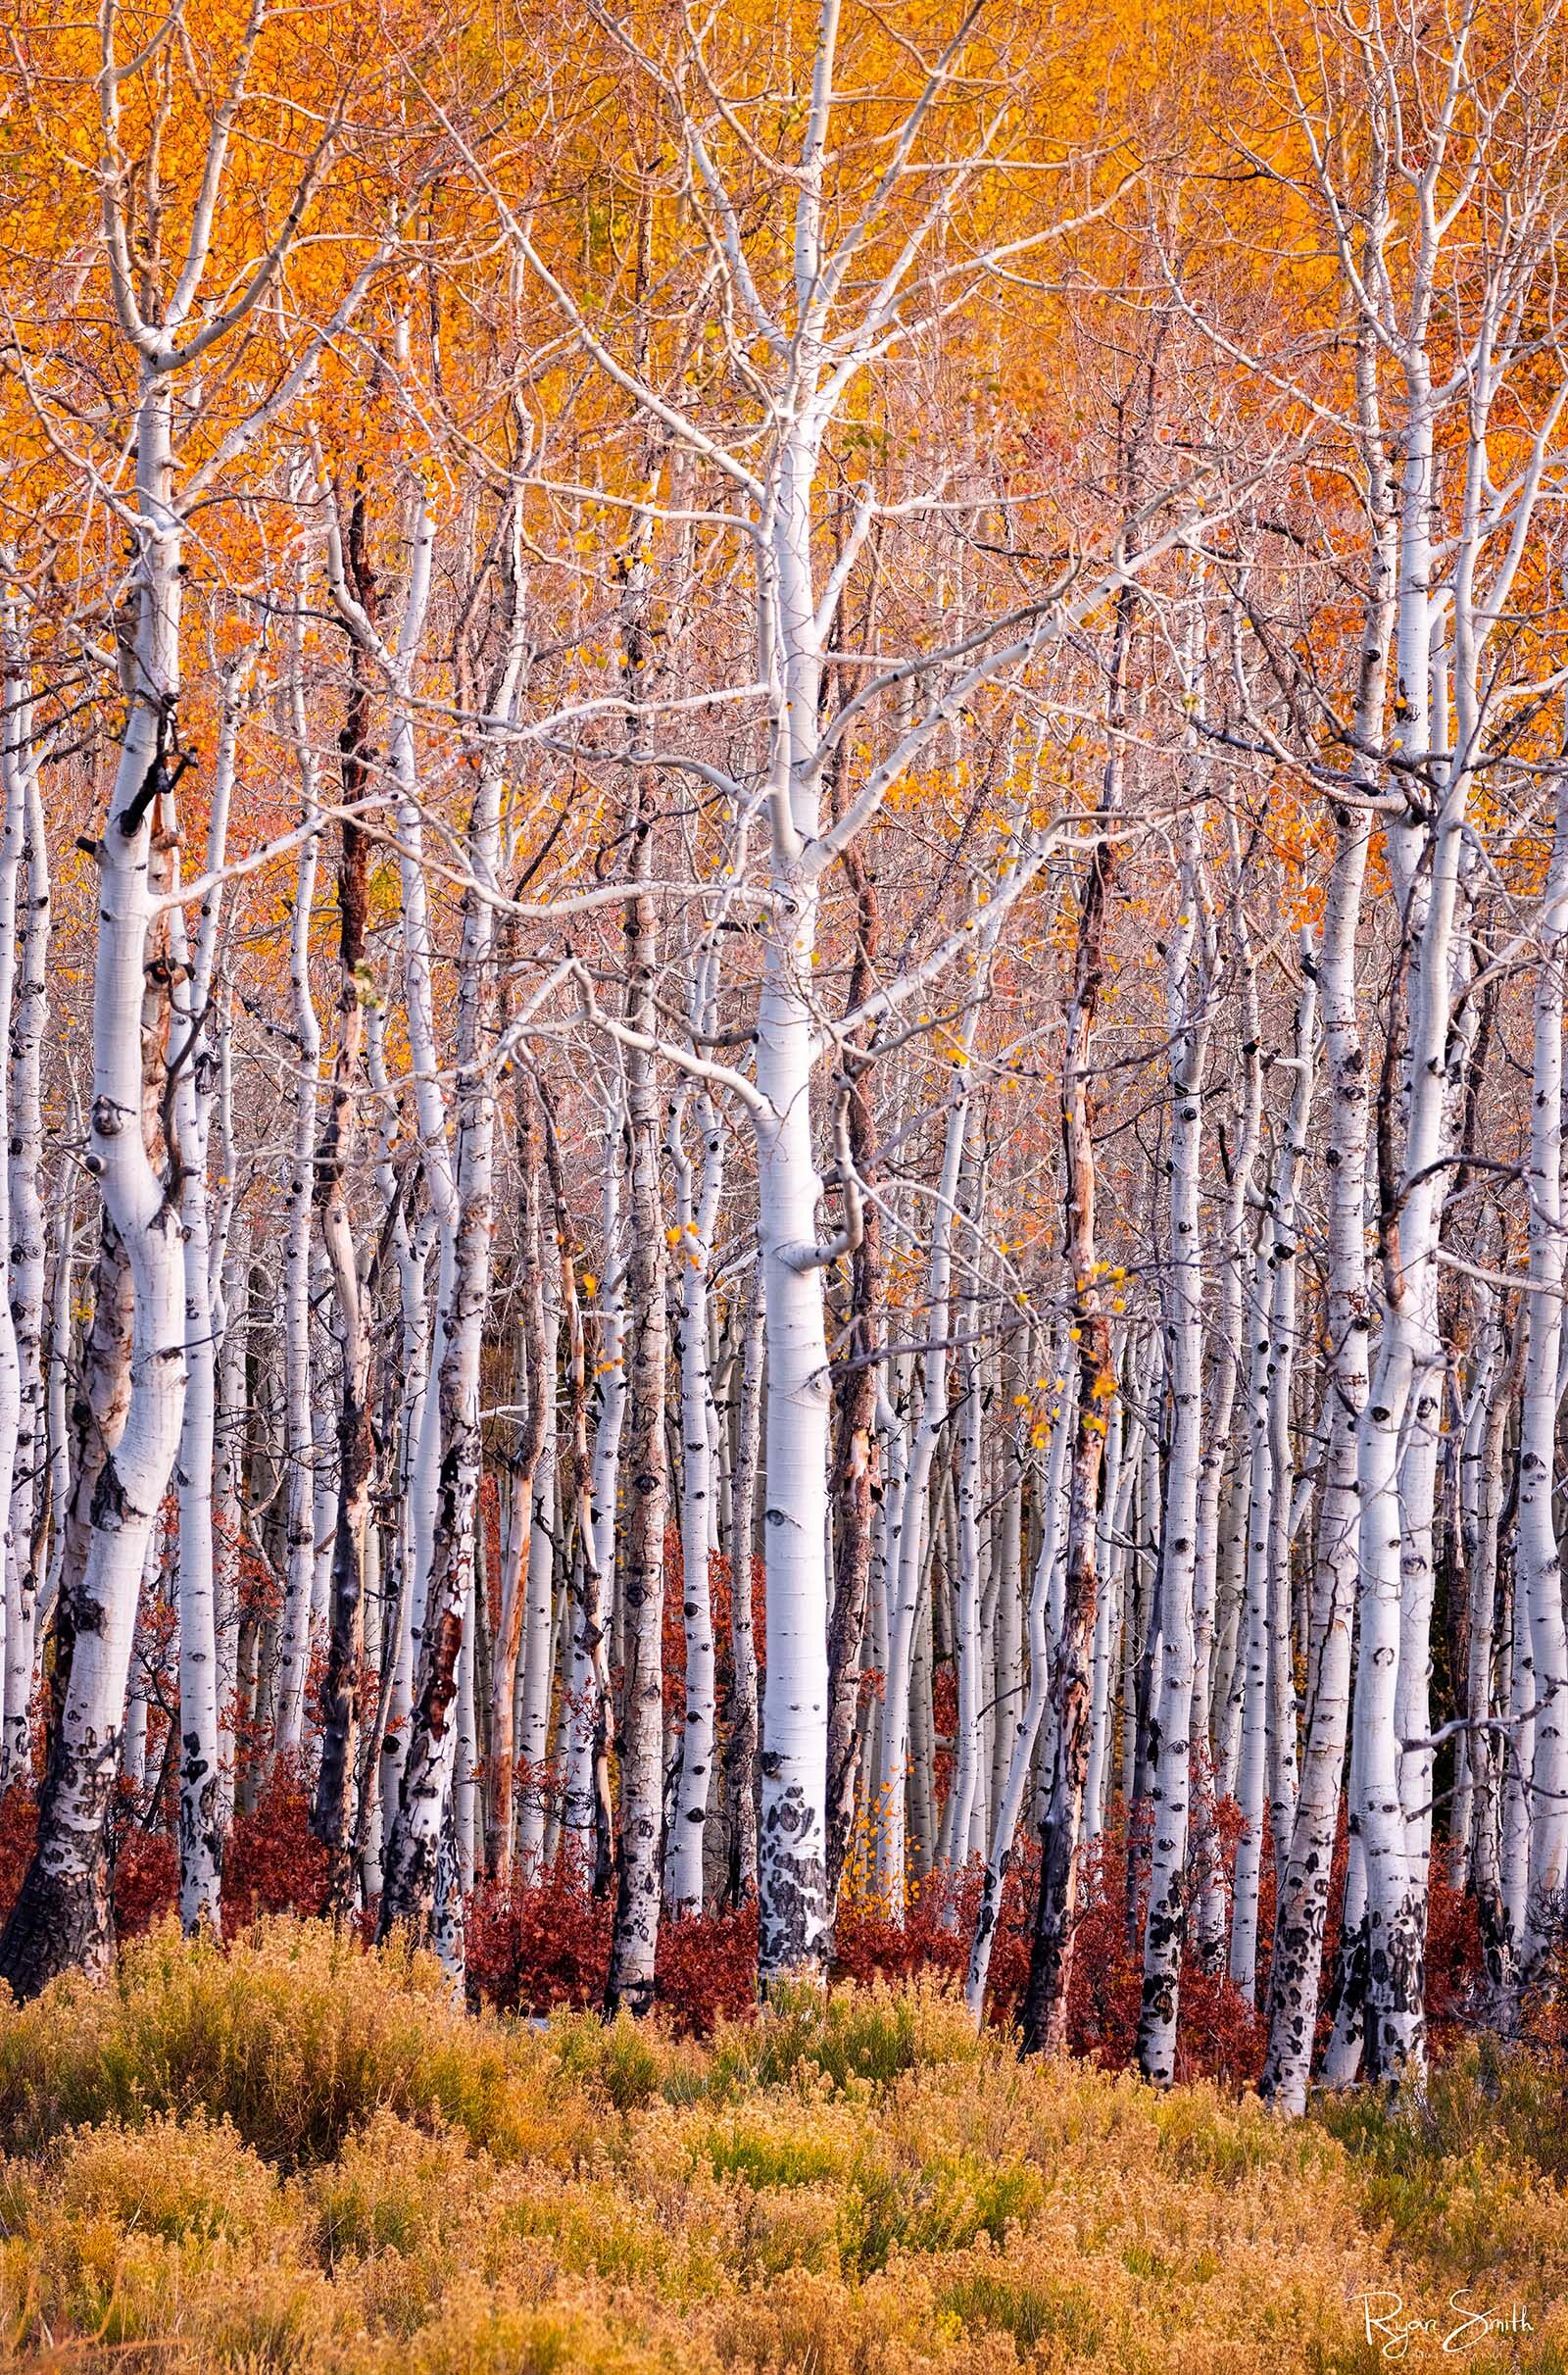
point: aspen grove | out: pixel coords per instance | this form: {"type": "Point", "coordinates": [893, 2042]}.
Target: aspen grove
{"type": "Point", "coordinates": [783, 921]}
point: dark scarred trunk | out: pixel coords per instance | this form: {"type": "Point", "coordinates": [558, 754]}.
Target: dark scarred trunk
{"type": "Point", "coordinates": [500, 1774]}
{"type": "Point", "coordinates": [589, 1601]}
{"type": "Point", "coordinates": [740, 1754]}
{"type": "Point", "coordinates": [336, 1814]}
{"type": "Point", "coordinates": [97, 1416]}
{"type": "Point", "coordinates": [856, 1479]}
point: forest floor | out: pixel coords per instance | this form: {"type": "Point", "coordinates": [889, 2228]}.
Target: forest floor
{"type": "Point", "coordinates": [297, 2154]}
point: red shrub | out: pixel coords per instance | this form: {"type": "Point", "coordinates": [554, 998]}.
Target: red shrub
{"type": "Point", "coordinates": [274, 1864]}
{"type": "Point", "coordinates": [533, 1948]}
{"type": "Point", "coordinates": [721, 1587]}
{"type": "Point", "coordinates": [146, 1868]}
{"type": "Point", "coordinates": [935, 1935]}
{"type": "Point", "coordinates": [868, 1946]}
{"type": "Point", "coordinates": [547, 1944]}
{"type": "Point", "coordinates": [1454, 1958]}
{"type": "Point", "coordinates": [706, 1970]}
{"type": "Point", "coordinates": [19, 1828]}
{"type": "Point", "coordinates": [1218, 2034]}
{"type": "Point", "coordinates": [146, 1879]}
{"type": "Point", "coordinates": [673, 1634]}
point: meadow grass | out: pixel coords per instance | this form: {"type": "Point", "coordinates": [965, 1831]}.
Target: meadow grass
{"type": "Point", "coordinates": [297, 2154]}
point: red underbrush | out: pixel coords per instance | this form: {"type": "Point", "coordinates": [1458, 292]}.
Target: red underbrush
{"type": "Point", "coordinates": [542, 1944]}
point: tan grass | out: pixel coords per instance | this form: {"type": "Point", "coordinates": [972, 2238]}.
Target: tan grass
{"type": "Point", "coordinates": [296, 2156]}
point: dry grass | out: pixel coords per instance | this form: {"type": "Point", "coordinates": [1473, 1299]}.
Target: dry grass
{"type": "Point", "coordinates": [299, 2156]}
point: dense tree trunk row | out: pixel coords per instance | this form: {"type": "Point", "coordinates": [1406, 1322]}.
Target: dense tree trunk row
{"type": "Point", "coordinates": [774, 1150]}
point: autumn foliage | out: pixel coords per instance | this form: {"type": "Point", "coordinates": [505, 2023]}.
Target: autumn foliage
{"type": "Point", "coordinates": [538, 1947]}
{"type": "Point", "coordinates": [298, 2154]}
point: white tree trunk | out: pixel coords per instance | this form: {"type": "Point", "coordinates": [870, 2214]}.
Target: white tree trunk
{"type": "Point", "coordinates": [62, 1914]}
{"type": "Point", "coordinates": [696, 1216]}
{"type": "Point", "coordinates": [589, 1714]}
{"type": "Point", "coordinates": [1539, 1579]}
{"type": "Point", "coordinates": [1170, 1754]}
{"type": "Point", "coordinates": [970, 1486]}
{"type": "Point", "coordinates": [14, 772]}
{"type": "Point", "coordinates": [904, 1597]}
{"type": "Point", "coordinates": [536, 1675]}
{"type": "Point", "coordinates": [1281, 1717]}
{"type": "Point", "coordinates": [201, 1761]}
{"type": "Point", "coordinates": [1296, 1972]}
{"type": "Point", "coordinates": [1252, 1646]}
{"type": "Point", "coordinates": [299, 1436]}
{"type": "Point", "coordinates": [792, 1837]}
{"type": "Point", "coordinates": [414, 1891]}
{"type": "Point", "coordinates": [29, 1500]}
